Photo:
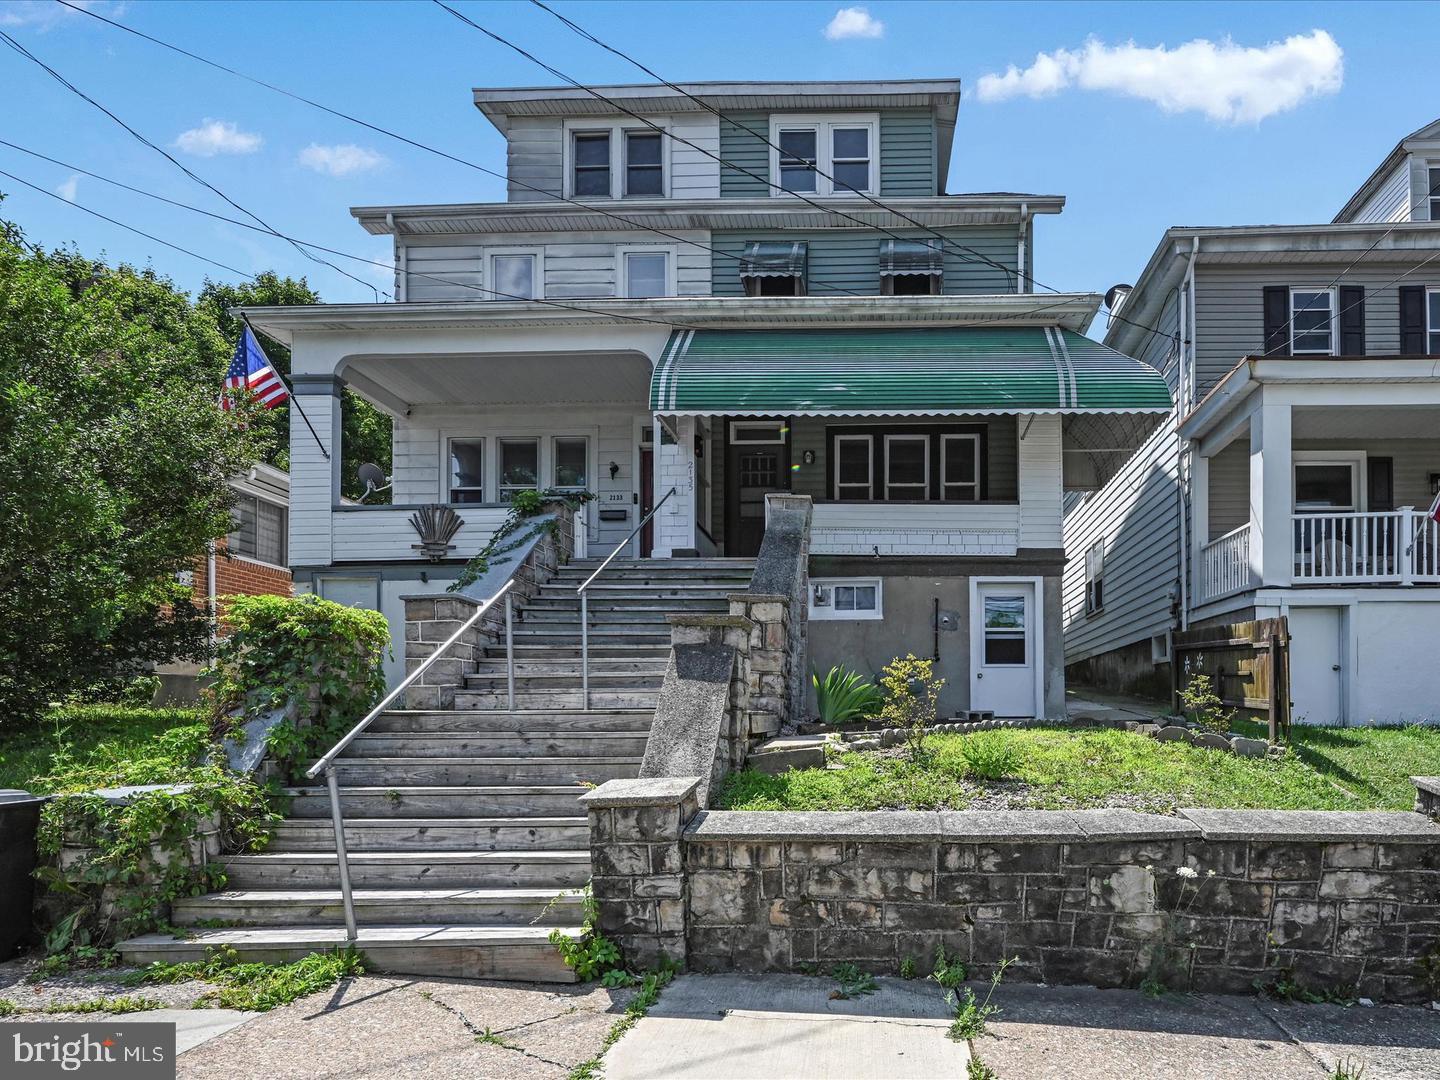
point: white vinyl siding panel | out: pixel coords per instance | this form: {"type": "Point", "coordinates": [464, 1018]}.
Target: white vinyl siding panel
{"type": "Point", "coordinates": [1136, 517]}
{"type": "Point", "coordinates": [314, 482]}
{"type": "Point", "coordinates": [1391, 201]}
{"type": "Point", "coordinates": [1040, 483]}
{"type": "Point", "coordinates": [535, 154]}
{"type": "Point", "coordinates": [1229, 489]}
{"type": "Point", "coordinates": [384, 534]}
{"type": "Point", "coordinates": [575, 265]}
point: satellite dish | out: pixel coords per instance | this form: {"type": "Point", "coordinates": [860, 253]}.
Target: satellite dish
{"type": "Point", "coordinates": [373, 477]}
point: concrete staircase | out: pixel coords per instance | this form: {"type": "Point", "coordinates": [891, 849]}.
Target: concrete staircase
{"type": "Point", "coordinates": [462, 825]}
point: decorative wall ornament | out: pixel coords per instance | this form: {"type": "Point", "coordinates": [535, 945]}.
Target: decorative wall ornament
{"type": "Point", "coordinates": [437, 525]}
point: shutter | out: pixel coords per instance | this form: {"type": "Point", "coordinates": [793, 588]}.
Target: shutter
{"type": "Point", "coordinates": [1412, 320]}
{"type": "Point", "coordinates": [1352, 320]}
{"type": "Point", "coordinates": [1277, 320]}
{"type": "Point", "coordinates": [1380, 483]}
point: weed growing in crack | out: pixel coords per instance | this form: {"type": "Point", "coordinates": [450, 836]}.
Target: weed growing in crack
{"type": "Point", "coordinates": [1348, 1069]}
{"type": "Point", "coordinates": [853, 982]}
{"type": "Point", "coordinates": [947, 972]}
{"type": "Point", "coordinates": [651, 983]}
{"type": "Point", "coordinates": [978, 1070]}
{"type": "Point", "coordinates": [972, 1015]}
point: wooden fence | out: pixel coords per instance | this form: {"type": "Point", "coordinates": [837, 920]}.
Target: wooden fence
{"type": "Point", "coordinates": [1248, 664]}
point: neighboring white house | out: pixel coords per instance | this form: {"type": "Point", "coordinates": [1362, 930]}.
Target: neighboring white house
{"type": "Point", "coordinates": [1295, 477]}
{"type": "Point", "coordinates": [670, 330]}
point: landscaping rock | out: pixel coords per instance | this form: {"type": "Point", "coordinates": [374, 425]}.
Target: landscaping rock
{"type": "Point", "coordinates": [1255, 748]}
{"type": "Point", "coordinates": [1173, 734]}
{"type": "Point", "coordinates": [1212, 741]}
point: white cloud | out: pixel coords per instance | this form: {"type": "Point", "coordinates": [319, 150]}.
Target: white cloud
{"type": "Point", "coordinates": [217, 137]}
{"type": "Point", "coordinates": [45, 15]}
{"type": "Point", "coordinates": [854, 22]}
{"type": "Point", "coordinates": [1232, 83]}
{"type": "Point", "coordinates": [341, 160]}
{"type": "Point", "coordinates": [66, 190]}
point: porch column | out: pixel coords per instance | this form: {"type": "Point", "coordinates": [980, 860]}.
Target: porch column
{"type": "Point", "coordinates": [1272, 539]}
{"type": "Point", "coordinates": [675, 467]}
{"type": "Point", "coordinates": [314, 482]}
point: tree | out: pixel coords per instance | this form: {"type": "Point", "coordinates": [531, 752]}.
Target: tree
{"type": "Point", "coordinates": [114, 458]}
{"type": "Point", "coordinates": [365, 431]}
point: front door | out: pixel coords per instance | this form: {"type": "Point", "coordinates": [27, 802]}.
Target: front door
{"type": "Point", "coordinates": [1316, 685]}
{"type": "Point", "coordinates": [1003, 647]}
{"type": "Point", "coordinates": [757, 462]}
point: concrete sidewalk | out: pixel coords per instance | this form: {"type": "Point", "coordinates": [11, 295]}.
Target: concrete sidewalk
{"type": "Point", "coordinates": [774, 1027]}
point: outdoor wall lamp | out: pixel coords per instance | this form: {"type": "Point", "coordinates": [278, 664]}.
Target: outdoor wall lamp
{"type": "Point", "coordinates": [614, 469]}
{"type": "Point", "coordinates": [808, 457]}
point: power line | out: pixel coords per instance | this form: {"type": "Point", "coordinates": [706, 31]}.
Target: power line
{"type": "Point", "coordinates": [379, 130]}
{"type": "Point", "coordinates": [969, 254]}
{"type": "Point", "coordinates": [15, 45]}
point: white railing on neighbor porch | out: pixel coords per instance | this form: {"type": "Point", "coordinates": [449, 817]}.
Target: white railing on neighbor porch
{"type": "Point", "coordinates": [1225, 565]}
{"type": "Point", "coordinates": [1386, 547]}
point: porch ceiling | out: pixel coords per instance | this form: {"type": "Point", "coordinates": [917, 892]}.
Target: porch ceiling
{"type": "Point", "coordinates": [506, 379]}
{"type": "Point", "coordinates": [1366, 422]}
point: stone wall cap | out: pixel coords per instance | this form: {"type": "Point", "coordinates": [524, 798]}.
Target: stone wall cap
{"type": "Point", "coordinates": [759, 597]}
{"type": "Point", "coordinates": [1323, 826]}
{"type": "Point", "coordinates": [814, 825]}
{"type": "Point", "coordinates": [461, 597]}
{"type": "Point", "coordinates": [659, 791]}
{"type": "Point", "coordinates": [1428, 784]}
{"type": "Point", "coordinates": [1102, 825]}
{"type": "Point", "coordinates": [686, 618]}
{"type": "Point", "coordinates": [1005, 826]}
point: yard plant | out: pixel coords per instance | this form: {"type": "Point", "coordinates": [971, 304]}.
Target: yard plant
{"type": "Point", "coordinates": [843, 697]}
{"type": "Point", "coordinates": [911, 698]}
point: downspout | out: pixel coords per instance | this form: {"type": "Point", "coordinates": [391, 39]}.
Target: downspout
{"type": "Point", "coordinates": [1021, 277]}
{"type": "Point", "coordinates": [211, 597]}
{"type": "Point", "coordinates": [1183, 381]}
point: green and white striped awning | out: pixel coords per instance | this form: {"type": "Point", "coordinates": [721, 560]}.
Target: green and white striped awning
{"type": "Point", "coordinates": [902, 371]}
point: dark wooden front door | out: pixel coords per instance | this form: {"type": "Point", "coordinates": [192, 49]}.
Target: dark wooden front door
{"type": "Point", "coordinates": [751, 471]}
{"type": "Point", "coordinates": [647, 500]}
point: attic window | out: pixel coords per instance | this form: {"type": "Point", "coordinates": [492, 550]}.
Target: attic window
{"type": "Point", "coordinates": [592, 164]}
{"type": "Point", "coordinates": [774, 268]}
{"type": "Point", "coordinates": [911, 267]}
{"type": "Point", "coordinates": [1433, 192]}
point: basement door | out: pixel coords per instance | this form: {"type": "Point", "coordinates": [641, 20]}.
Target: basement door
{"type": "Point", "coordinates": [1003, 647]}
{"type": "Point", "coordinates": [1316, 682]}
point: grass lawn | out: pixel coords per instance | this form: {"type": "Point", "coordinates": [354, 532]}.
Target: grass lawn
{"type": "Point", "coordinates": [1059, 768]}
{"type": "Point", "coordinates": [98, 746]}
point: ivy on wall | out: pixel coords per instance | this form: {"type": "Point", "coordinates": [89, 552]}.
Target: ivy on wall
{"type": "Point", "coordinates": [513, 533]}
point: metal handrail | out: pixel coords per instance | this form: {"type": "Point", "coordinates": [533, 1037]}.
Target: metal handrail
{"type": "Point", "coordinates": [585, 600]}
{"type": "Point", "coordinates": [327, 763]}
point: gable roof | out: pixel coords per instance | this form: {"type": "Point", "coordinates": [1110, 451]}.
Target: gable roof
{"type": "Point", "coordinates": [1429, 133]}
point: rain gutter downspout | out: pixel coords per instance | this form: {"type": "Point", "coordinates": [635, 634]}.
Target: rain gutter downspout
{"type": "Point", "coordinates": [1184, 379]}
{"type": "Point", "coordinates": [1021, 277]}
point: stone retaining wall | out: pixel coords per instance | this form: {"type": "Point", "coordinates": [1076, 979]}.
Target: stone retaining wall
{"type": "Point", "coordinates": [1341, 901]}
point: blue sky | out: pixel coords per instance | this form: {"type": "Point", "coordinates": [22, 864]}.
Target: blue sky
{"type": "Point", "coordinates": [1098, 131]}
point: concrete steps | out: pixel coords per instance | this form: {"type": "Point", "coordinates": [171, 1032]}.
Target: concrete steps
{"type": "Point", "coordinates": [463, 825]}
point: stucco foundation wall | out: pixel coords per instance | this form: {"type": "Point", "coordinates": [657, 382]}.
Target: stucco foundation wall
{"type": "Point", "coordinates": [867, 645]}
{"type": "Point", "coordinates": [1215, 900]}
{"type": "Point", "coordinates": [1397, 679]}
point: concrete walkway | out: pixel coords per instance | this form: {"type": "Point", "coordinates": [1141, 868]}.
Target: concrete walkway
{"type": "Point", "coordinates": [774, 1027]}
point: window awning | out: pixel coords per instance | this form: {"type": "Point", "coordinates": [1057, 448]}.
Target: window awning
{"type": "Point", "coordinates": [911, 257]}
{"type": "Point", "coordinates": [773, 258]}
{"type": "Point", "coordinates": [921, 371]}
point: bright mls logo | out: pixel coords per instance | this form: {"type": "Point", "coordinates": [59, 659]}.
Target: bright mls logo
{"type": "Point", "coordinates": [108, 1051]}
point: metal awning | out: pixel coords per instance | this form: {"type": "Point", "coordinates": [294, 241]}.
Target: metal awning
{"type": "Point", "coordinates": [911, 257]}
{"type": "Point", "coordinates": [922, 371]}
{"type": "Point", "coordinates": [773, 258]}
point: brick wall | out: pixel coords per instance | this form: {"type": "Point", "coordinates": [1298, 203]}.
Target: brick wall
{"type": "Point", "coordinates": [1341, 901]}
{"type": "Point", "coordinates": [237, 576]}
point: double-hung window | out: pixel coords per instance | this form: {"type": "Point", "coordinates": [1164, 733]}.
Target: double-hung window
{"type": "Point", "coordinates": [644, 168]}
{"type": "Point", "coordinates": [519, 466]}
{"type": "Point", "coordinates": [1312, 322]}
{"type": "Point", "coordinates": [832, 155]}
{"type": "Point", "coordinates": [590, 164]}
{"type": "Point", "coordinates": [645, 272]}
{"type": "Point", "coordinates": [907, 467]}
{"type": "Point", "coordinates": [259, 530]}
{"type": "Point", "coordinates": [1432, 320]}
{"type": "Point", "coordinates": [854, 467]}
{"type": "Point", "coordinates": [514, 275]}
{"type": "Point", "coordinates": [571, 463]}
{"type": "Point", "coordinates": [1433, 191]}
{"type": "Point", "coordinates": [614, 161]}
{"type": "Point", "coordinates": [467, 470]}
{"type": "Point", "coordinates": [960, 468]}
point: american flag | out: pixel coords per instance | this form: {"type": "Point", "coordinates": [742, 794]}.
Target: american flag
{"type": "Point", "coordinates": [250, 370]}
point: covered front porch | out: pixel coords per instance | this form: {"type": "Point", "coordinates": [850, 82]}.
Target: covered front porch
{"type": "Point", "coordinates": [1316, 484]}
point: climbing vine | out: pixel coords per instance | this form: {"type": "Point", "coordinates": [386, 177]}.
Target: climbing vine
{"type": "Point", "coordinates": [524, 508]}
{"type": "Point", "coordinates": [319, 659]}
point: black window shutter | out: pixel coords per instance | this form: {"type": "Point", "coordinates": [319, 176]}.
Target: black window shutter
{"type": "Point", "coordinates": [1277, 320]}
{"type": "Point", "coordinates": [1352, 320]}
{"type": "Point", "coordinates": [1412, 320]}
{"type": "Point", "coordinates": [1381, 483]}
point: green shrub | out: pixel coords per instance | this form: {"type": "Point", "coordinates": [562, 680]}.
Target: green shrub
{"type": "Point", "coordinates": [1203, 705]}
{"type": "Point", "coordinates": [324, 657]}
{"type": "Point", "coordinates": [911, 697]}
{"type": "Point", "coordinates": [844, 696]}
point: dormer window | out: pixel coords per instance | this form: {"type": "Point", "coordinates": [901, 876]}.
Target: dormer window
{"type": "Point", "coordinates": [614, 161]}
{"type": "Point", "coordinates": [824, 155]}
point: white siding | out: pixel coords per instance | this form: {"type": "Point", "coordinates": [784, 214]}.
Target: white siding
{"type": "Point", "coordinates": [534, 146]}
{"type": "Point", "coordinates": [1391, 201]}
{"type": "Point", "coordinates": [314, 482]}
{"type": "Point", "coordinates": [1040, 482]}
{"type": "Point", "coordinates": [384, 534]}
{"type": "Point", "coordinates": [693, 175]}
{"type": "Point", "coordinates": [938, 529]}
{"type": "Point", "coordinates": [1137, 517]}
{"type": "Point", "coordinates": [576, 265]}
{"type": "Point", "coordinates": [1420, 186]}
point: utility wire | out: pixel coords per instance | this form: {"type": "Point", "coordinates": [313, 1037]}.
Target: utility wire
{"type": "Point", "coordinates": [15, 45]}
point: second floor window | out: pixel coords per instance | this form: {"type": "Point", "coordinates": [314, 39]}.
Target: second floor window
{"type": "Point", "coordinates": [644, 171]}
{"type": "Point", "coordinates": [514, 276]}
{"type": "Point", "coordinates": [591, 164]}
{"type": "Point", "coordinates": [1312, 322]}
{"type": "Point", "coordinates": [1433, 192]}
{"type": "Point", "coordinates": [1432, 321]}
{"type": "Point", "coordinates": [647, 273]}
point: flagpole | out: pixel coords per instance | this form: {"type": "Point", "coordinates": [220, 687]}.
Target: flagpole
{"type": "Point", "coordinates": [291, 391]}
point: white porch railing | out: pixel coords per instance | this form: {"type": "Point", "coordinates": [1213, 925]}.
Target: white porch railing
{"type": "Point", "coordinates": [885, 528]}
{"type": "Point", "coordinates": [1225, 565]}
{"type": "Point", "coordinates": [1391, 547]}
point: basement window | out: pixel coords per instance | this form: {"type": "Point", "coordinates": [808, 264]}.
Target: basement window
{"type": "Point", "coordinates": [846, 598]}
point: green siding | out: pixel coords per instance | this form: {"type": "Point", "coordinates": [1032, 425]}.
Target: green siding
{"type": "Point", "coordinates": [907, 153]}
{"type": "Point", "coordinates": [849, 259]}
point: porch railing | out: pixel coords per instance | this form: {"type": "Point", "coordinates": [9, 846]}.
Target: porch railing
{"type": "Point", "coordinates": [584, 595]}
{"type": "Point", "coordinates": [328, 764]}
{"type": "Point", "coordinates": [1225, 565]}
{"type": "Point", "coordinates": [1391, 547]}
